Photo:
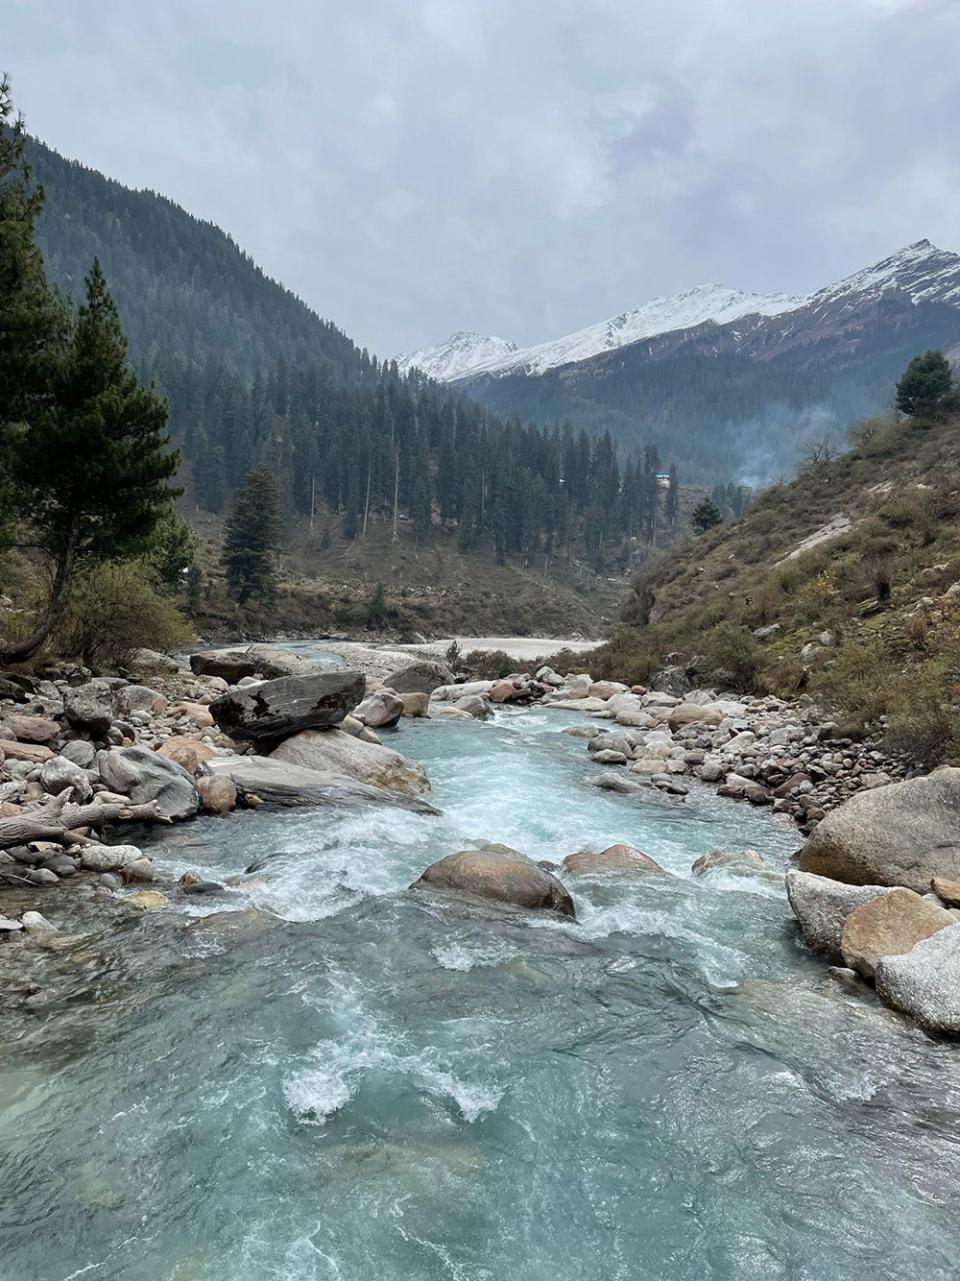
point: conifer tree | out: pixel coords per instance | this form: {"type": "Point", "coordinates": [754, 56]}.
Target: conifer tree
{"type": "Point", "coordinates": [252, 540]}
{"type": "Point", "coordinates": [91, 472]}
{"type": "Point", "coordinates": [706, 515]}
{"type": "Point", "coordinates": [673, 498]}
{"type": "Point", "coordinates": [927, 386]}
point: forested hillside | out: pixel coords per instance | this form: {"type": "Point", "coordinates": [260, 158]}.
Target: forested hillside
{"type": "Point", "coordinates": [254, 376]}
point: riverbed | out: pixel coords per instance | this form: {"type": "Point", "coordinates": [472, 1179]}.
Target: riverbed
{"type": "Point", "coordinates": [360, 1081]}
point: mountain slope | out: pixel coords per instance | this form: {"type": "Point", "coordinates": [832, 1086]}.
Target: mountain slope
{"type": "Point", "coordinates": [845, 582]}
{"type": "Point", "coordinates": [736, 398]}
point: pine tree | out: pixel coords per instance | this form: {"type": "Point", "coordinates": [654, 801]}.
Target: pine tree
{"type": "Point", "coordinates": [706, 515]}
{"type": "Point", "coordinates": [91, 473]}
{"type": "Point", "coordinates": [252, 539]}
{"type": "Point", "coordinates": [673, 498]}
{"type": "Point", "coordinates": [927, 386]}
{"type": "Point", "coordinates": [33, 321]}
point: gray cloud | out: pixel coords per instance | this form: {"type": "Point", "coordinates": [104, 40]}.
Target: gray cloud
{"type": "Point", "coordinates": [521, 167]}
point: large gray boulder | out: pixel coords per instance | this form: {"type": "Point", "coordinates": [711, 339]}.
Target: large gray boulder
{"type": "Point", "coordinates": [87, 708]}
{"type": "Point", "coordinates": [822, 906]}
{"type": "Point", "coordinates": [379, 710]}
{"type": "Point", "coordinates": [342, 753]}
{"type": "Point", "coordinates": [145, 776]}
{"type": "Point", "coordinates": [278, 708]}
{"type": "Point", "coordinates": [486, 873]}
{"type": "Point", "coordinates": [925, 982]}
{"type": "Point", "coordinates": [278, 782]}
{"type": "Point", "coordinates": [59, 773]}
{"type": "Point", "coordinates": [422, 677]}
{"type": "Point", "coordinates": [273, 661]}
{"type": "Point", "coordinates": [231, 665]}
{"type": "Point", "coordinates": [904, 834]}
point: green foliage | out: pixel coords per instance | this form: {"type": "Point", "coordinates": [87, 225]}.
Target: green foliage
{"type": "Point", "coordinates": [706, 515]}
{"type": "Point", "coordinates": [734, 649]}
{"type": "Point", "coordinates": [113, 608]}
{"type": "Point", "coordinates": [172, 551]}
{"type": "Point", "coordinates": [453, 656]}
{"type": "Point", "coordinates": [927, 386]}
{"type": "Point", "coordinates": [488, 664]}
{"type": "Point", "coordinates": [252, 539]}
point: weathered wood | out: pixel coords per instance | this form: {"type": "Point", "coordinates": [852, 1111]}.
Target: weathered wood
{"type": "Point", "coordinates": [57, 819]}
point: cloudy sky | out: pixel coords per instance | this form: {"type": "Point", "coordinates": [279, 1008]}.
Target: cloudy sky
{"type": "Point", "coordinates": [519, 167]}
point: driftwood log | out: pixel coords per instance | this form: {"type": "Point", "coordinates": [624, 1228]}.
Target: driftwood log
{"type": "Point", "coordinates": [58, 819]}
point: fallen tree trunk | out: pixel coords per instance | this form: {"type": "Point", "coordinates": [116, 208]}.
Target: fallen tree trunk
{"type": "Point", "coordinates": [58, 819]}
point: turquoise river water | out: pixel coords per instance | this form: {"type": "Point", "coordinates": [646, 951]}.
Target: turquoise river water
{"type": "Point", "coordinates": [359, 1083]}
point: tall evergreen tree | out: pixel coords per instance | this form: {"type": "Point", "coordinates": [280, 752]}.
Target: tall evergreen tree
{"type": "Point", "coordinates": [706, 515]}
{"type": "Point", "coordinates": [91, 475]}
{"type": "Point", "coordinates": [927, 386]}
{"type": "Point", "coordinates": [252, 540]}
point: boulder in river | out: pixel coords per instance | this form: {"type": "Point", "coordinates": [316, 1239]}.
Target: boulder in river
{"type": "Point", "coordinates": [379, 710]}
{"type": "Point", "coordinates": [341, 753]}
{"type": "Point", "coordinates": [272, 661]}
{"type": "Point", "coordinates": [217, 795]}
{"type": "Point", "coordinates": [822, 905]}
{"type": "Point", "coordinates": [486, 873]}
{"type": "Point", "coordinates": [421, 677]}
{"type": "Point", "coordinates": [144, 776]}
{"type": "Point", "coordinates": [417, 704]}
{"type": "Point", "coordinates": [276, 709]}
{"type": "Point", "coordinates": [888, 926]}
{"type": "Point", "coordinates": [904, 834]}
{"type": "Point", "coordinates": [280, 782]}
{"type": "Point", "coordinates": [925, 982]}
{"type": "Point", "coordinates": [615, 859]}
{"type": "Point", "coordinates": [87, 708]}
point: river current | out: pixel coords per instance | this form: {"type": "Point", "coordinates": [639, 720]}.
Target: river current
{"type": "Point", "coordinates": [359, 1083]}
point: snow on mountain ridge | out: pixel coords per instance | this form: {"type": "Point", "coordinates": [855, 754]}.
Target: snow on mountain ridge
{"type": "Point", "coordinates": [921, 271]}
{"type": "Point", "coordinates": [460, 354]}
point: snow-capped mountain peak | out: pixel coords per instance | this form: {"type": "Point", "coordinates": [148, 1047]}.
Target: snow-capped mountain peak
{"type": "Point", "coordinates": [460, 354]}
{"type": "Point", "coordinates": [921, 270]}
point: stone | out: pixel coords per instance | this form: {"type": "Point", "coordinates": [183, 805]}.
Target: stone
{"type": "Point", "coordinates": [925, 982]}
{"type": "Point", "coordinates": [947, 890]}
{"type": "Point", "coordinates": [35, 923]}
{"type": "Point", "coordinates": [147, 900]}
{"type": "Point", "coordinates": [272, 661]}
{"type": "Point", "coordinates": [489, 874]}
{"type": "Point", "coordinates": [447, 692]}
{"type": "Point", "coordinates": [888, 926]}
{"type": "Point", "coordinates": [607, 756]}
{"type": "Point", "coordinates": [902, 834]}
{"type": "Point", "coordinates": [108, 858]}
{"type": "Point", "coordinates": [474, 705]}
{"type": "Point", "coordinates": [278, 708]}
{"type": "Point", "coordinates": [36, 753]}
{"type": "Point", "coordinates": [415, 704]}
{"type": "Point", "coordinates": [822, 906]}
{"type": "Point", "coordinates": [60, 773]}
{"type": "Point", "coordinates": [745, 862]}
{"type": "Point", "coordinates": [189, 752]}
{"type": "Point", "coordinates": [80, 752]}
{"type": "Point", "coordinates": [149, 663]}
{"type": "Point", "coordinates": [138, 871]}
{"type": "Point", "coordinates": [379, 710]}
{"type": "Point", "coordinates": [693, 713]}
{"type": "Point", "coordinates": [455, 712]}
{"type": "Point", "coordinates": [503, 692]}
{"type": "Point", "coordinates": [229, 664]}
{"type": "Point", "coordinates": [139, 698]}
{"type": "Point", "coordinates": [10, 927]}
{"type": "Point", "coordinates": [87, 709]}
{"type": "Point", "coordinates": [144, 776]}
{"type": "Point", "coordinates": [281, 782]}
{"type": "Point", "coordinates": [350, 725]}
{"type": "Point", "coordinates": [340, 753]}
{"type": "Point", "coordinates": [29, 729]}
{"type": "Point", "coordinates": [614, 783]}
{"type": "Point", "coordinates": [422, 677]}
{"type": "Point", "coordinates": [547, 676]}
{"type": "Point", "coordinates": [217, 795]}
{"type": "Point", "coordinates": [606, 689]}
{"type": "Point", "coordinates": [671, 680]}
{"type": "Point", "coordinates": [618, 859]}
{"type": "Point", "coordinates": [585, 704]}
{"type": "Point", "coordinates": [41, 876]}
{"type": "Point", "coordinates": [199, 713]}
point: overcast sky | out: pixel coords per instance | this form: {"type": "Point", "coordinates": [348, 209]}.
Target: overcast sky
{"type": "Point", "coordinates": [519, 167]}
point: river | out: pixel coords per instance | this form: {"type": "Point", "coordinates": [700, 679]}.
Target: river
{"type": "Point", "coordinates": [362, 1082]}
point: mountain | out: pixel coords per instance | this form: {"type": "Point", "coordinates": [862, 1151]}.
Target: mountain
{"type": "Point", "coordinates": [462, 353]}
{"type": "Point", "coordinates": [474, 354]}
{"type": "Point", "coordinates": [735, 396]}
